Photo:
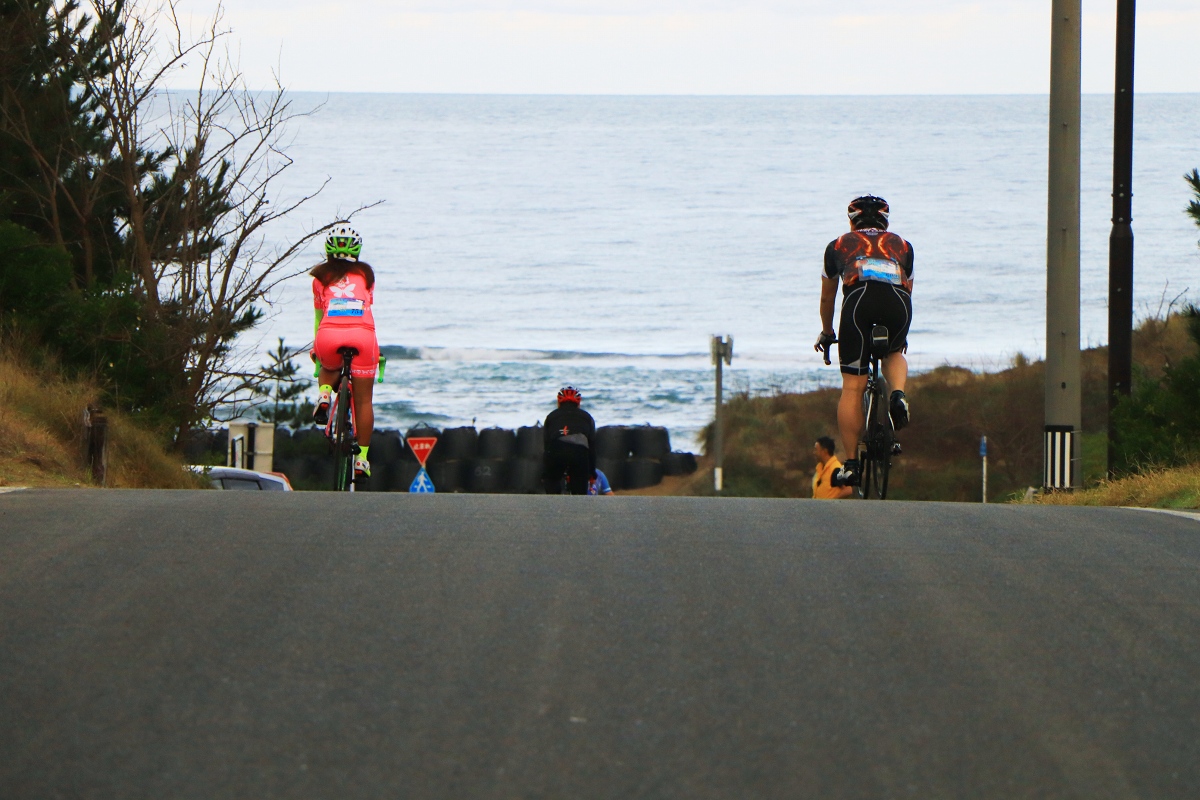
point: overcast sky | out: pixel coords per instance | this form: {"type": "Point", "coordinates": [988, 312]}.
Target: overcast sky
{"type": "Point", "coordinates": [694, 46]}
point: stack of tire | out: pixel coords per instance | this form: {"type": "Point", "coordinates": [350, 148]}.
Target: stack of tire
{"type": "Point", "coordinates": [636, 457]}
{"type": "Point", "coordinates": [303, 455]}
{"type": "Point", "coordinates": [490, 461]}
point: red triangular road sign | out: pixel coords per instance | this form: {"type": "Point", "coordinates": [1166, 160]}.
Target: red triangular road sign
{"type": "Point", "coordinates": [422, 446]}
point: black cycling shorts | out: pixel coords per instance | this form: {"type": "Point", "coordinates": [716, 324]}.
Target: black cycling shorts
{"type": "Point", "coordinates": [863, 307]}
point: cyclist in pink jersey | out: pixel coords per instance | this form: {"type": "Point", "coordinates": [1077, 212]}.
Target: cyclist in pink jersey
{"type": "Point", "coordinates": [343, 292]}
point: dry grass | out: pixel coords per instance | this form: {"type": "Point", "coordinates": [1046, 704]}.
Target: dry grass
{"type": "Point", "coordinates": [41, 427]}
{"type": "Point", "coordinates": [1170, 488]}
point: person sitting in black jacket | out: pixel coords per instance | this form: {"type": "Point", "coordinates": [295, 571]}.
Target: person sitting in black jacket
{"type": "Point", "coordinates": [570, 438]}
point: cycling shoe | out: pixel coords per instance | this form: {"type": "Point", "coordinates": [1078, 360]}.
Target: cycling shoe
{"type": "Point", "coordinates": [848, 475]}
{"type": "Point", "coordinates": [321, 412]}
{"type": "Point", "coordinates": [899, 409]}
{"type": "Point", "coordinates": [362, 468]}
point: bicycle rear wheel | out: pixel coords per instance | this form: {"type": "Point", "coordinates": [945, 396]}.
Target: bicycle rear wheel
{"type": "Point", "coordinates": [877, 461]}
{"type": "Point", "coordinates": [880, 468]}
{"type": "Point", "coordinates": [343, 440]}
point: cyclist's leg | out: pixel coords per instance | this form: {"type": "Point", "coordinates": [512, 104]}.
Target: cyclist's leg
{"type": "Point", "coordinates": [580, 469]}
{"type": "Point", "coordinates": [898, 312]}
{"type": "Point", "coordinates": [897, 315]}
{"type": "Point", "coordinates": [853, 353]}
{"type": "Point", "coordinates": [330, 363]}
{"type": "Point", "coordinates": [895, 371]}
{"type": "Point", "coordinates": [553, 468]}
{"type": "Point", "coordinates": [327, 376]}
{"type": "Point", "coordinates": [364, 411]}
{"type": "Point", "coordinates": [850, 412]}
{"type": "Point", "coordinates": [363, 370]}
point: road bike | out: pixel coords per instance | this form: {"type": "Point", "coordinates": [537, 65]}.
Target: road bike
{"type": "Point", "coordinates": [877, 443]}
{"type": "Point", "coordinates": [879, 437]}
{"type": "Point", "coordinates": [340, 428]}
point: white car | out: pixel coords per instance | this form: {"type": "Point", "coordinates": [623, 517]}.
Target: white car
{"type": "Point", "coordinates": [244, 479]}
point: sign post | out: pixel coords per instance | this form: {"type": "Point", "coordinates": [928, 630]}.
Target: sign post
{"type": "Point", "coordinates": [722, 353]}
{"type": "Point", "coordinates": [422, 446]}
{"type": "Point", "coordinates": [983, 455]}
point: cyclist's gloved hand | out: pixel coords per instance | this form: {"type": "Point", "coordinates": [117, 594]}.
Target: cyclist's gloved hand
{"type": "Point", "coordinates": [824, 341]}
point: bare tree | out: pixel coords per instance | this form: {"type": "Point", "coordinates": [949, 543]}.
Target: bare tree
{"type": "Point", "coordinates": [197, 171]}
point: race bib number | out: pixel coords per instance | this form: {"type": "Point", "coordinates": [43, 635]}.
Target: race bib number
{"type": "Point", "coordinates": [345, 307]}
{"type": "Point", "coordinates": [883, 270]}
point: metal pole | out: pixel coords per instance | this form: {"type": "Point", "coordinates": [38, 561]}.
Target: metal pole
{"type": "Point", "coordinates": [722, 353]}
{"type": "Point", "coordinates": [983, 455]}
{"type": "Point", "coordinates": [1120, 241]}
{"type": "Point", "coordinates": [719, 433]}
{"type": "Point", "coordinates": [1063, 400]}
{"type": "Point", "coordinates": [251, 444]}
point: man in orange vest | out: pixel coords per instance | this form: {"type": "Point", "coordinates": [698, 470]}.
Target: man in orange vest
{"type": "Point", "coordinates": [827, 465]}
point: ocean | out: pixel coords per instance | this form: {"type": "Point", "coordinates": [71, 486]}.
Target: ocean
{"type": "Point", "coordinates": [526, 242]}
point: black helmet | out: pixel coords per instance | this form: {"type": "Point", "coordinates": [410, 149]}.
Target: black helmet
{"type": "Point", "coordinates": [868, 211]}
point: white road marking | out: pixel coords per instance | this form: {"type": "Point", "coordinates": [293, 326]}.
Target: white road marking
{"type": "Point", "coordinates": [1192, 515]}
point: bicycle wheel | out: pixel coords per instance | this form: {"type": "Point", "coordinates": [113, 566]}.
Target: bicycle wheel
{"type": "Point", "coordinates": [343, 442]}
{"type": "Point", "coordinates": [880, 437]}
{"type": "Point", "coordinates": [866, 465]}
{"type": "Point", "coordinates": [880, 467]}
{"type": "Point", "coordinates": [866, 459]}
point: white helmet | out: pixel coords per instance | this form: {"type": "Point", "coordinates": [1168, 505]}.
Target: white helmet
{"type": "Point", "coordinates": [343, 242]}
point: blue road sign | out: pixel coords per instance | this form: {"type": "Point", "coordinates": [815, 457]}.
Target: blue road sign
{"type": "Point", "coordinates": [983, 447]}
{"type": "Point", "coordinates": [421, 484]}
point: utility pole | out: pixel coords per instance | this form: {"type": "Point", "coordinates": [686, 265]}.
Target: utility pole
{"type": "Point", "coordinates": [1063, 399]}
{"type": "Point", "coordinates": [722, 353]}
{"type": "Point", "coordinates": [1120, 241]}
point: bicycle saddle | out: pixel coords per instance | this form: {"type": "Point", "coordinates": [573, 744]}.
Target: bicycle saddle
{"type": "Point", "coordinates": [879, 341]}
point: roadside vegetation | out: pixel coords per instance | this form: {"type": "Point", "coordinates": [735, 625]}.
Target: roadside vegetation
{"type": "Point", "coordinates": [768, 439]}
{"type": "Point", "coordinates": [41, 434]}
{"type": "Point", "coordinates": [134, 221]}
{"type": "Point", "coordinates": [1177, 488]}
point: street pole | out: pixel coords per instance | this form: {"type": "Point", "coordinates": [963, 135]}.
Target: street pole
{"type": "Point", "coordinates": [1063, 399]}
{"type": "Point", "coordinates": [722, 353]}
{"type": "Point", "coordinates": [983, 455]}
{"type": "Point", "coordinates": [1120, 241]}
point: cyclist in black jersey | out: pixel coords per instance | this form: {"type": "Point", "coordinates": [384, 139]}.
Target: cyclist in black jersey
{"type": "Point", "coordinates": [570, 440]}
{"type": "Point", "coordinates": [875, 270]}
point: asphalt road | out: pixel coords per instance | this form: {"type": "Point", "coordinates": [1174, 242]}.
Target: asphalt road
{"type": "Point", "coordinates": [257, 645]}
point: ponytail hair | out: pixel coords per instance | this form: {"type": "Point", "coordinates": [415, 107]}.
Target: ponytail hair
{"type": "Point", "coordinates": [334, 269]}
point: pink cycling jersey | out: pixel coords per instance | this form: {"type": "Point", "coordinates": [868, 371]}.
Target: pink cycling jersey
{"type": "Point", "coordinates": [346, 303]}
{"type": "Point", "coordinates": [347, 322]}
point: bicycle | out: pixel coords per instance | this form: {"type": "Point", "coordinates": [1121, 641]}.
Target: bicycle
{"type": "Point", "coordinates": [878, 442]}
{"type": "Point", "coordinates": [340, 428]}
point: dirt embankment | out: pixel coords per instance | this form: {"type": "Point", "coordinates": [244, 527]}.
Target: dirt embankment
{"type": "Point", "coordinates": [41, 427]}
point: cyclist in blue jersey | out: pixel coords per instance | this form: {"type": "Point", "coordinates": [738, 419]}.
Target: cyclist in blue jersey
{"type": "Point", "coordinates": [599, 485]}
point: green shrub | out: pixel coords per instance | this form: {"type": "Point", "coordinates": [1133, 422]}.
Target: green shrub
{"type": "Point", "coordinates": [1159, 424]}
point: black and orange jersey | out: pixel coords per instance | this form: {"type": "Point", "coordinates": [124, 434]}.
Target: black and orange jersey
{"type": "Point", "coordinates": [870, 254]}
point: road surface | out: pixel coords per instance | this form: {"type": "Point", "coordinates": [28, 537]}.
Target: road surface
{"type": "Point", "coordinates": [309, 645]}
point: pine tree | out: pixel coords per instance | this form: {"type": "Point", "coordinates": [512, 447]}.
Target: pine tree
{"type": "Point", "coordinates": [283, 387]}
{"type": "Point", "coordinates": [1193, 206]}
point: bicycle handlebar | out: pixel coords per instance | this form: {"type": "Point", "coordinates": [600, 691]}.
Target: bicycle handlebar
{"type": "Point", "coordinates": [825, 348]}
